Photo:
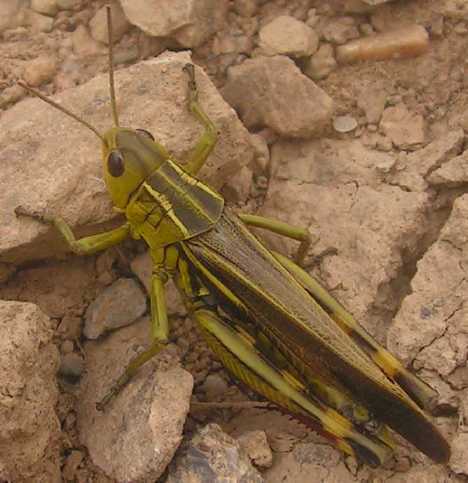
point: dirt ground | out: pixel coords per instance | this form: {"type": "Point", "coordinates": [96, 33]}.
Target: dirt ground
{"type": "Point", "coordinates": [375, 167]}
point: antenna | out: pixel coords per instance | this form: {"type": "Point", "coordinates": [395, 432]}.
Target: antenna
{"type": "Point", "coordinates": [111, 86]}
{"type": "Point", "coordinates": [63, 109]}
{"type": "Point", "coordinates": [111, 67]}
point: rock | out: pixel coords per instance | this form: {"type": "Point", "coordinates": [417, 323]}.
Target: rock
{"type": "Point", "coordinates": [454, 9]}
{"type": "Point", "coordinates": [238, 188]}
{"type": "Point", "coordinates": [47, 7]}
{"type": "Point", "coordinates": [463, 413]}
{"type": "Point", "coordinates": [67, 4]}
{"type": "Point", "coordinates": [43, 174]}
{"type": "Point", "coordinates": [83, 44]}
{"type": "Point", "coordinates": [459, 460]}
{"type": "Point", "coordinates": [214, 387]}
{"type": "Point", "coordinates": [398, 43]}
{"type": "Point", "coordinates": [287, 36]}
{"type": "Point", "coordinates": [435, 308]}
{"type": "Point", "coordinates": [190, 22]}
{"type": "Point", "coordinates": [9, 10]}
{"type": "Point", "coordinates": [29, 427]}
{"type": "Point", "coordinates": [404, 128]}
{"type": "Point", "coordinates": [71, 367]}
{"type": "Point", "coordinates": [11, 94]}
{"type": "Point", "coordinates": [40, 71]}
{"type": "Point", "coordinates": [58, 288]}
{"type": "Point", "coordinates": [365, 227]}
{"type": "Point", "coordinates": [344, 124]}
{"type": "Point", "coordinates": [119, 305]}
{"type": "Point", "coordinates": [372, 102]}
{"type": "Point", "coordinates": [39, 23]}
{"type": "Point", "coordinates": [66, 347]}
{"type": "Point", "coordinates": [448, 400]}
{"type": "Point", "coordinates": [245, 8]}
{"type": "Point", "coordinates": [272, 92]}
{"type": "Point", "coordinates": [262, 154]}
{"type": "Point", "coordinates": [255, 444]}
{"type": "Point", "coordinates": [137, 434]}
{"type": "Point", "coordinates": [340, 30]}
{"type": "Point", "coordinates": [72, 463]}
{"type": "Point", "coordinates": [212, 455]}
{"type": "Point", "coordinates": [321, 63]}
{"type": "Point", "coordinates": [414, 169]}
{"type": "Point", "coordinates": [231, 44]}
{"type": "Point", "coordinates": [451, 174]}
{"type": "Point", "coordinates": [142, 267]}
{"type": "Point", "coordinates": [98, 24]}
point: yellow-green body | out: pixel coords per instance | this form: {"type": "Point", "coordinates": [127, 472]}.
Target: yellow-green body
{"type": "Point", "coordinates": [271, 324]}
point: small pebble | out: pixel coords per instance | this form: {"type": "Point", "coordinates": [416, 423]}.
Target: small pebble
{"type": "Point", "coordinates": [214, 387]}
{"type": "Point", "coordinates": [9, 95]}
{"type": "Point", "coordinates": [340, 30]}
{"type": "Point", "coordinates": [461, 28]}
{"type": "Point", "coordinates": [9, 10]}
{"type": "Point", "coordinates": [46, 7]}
{"type": "Point", "coordinates": [70, 327]}
{"type": "Point", "coordinates": [70, 421]}
{"type": "Point", "coordinates": [40, 71]}
{"type": "Point", "coordinates": [72, 463]}
{"type": "Point", "coordinates": [321, 63]}
{"type": "Point", "coordinates": [68, 4]}
{"type": "Point", "coordinates": [40, 23]}
{"type": "Point", "coordinates": [83, 44]}
{"type": "Point", "coordinates": [66, 347]}
{"type": "Point", "coordinates": [256, 445]}
{"type": "Point", "coordinates": [98, 24]}
{"type": "Point", "coordinates": [402, 43]}
{"type": "Point", "coordinates": [245, 8]}
{"type": "Point", "coordinates": [71, 367]}
{"type": "Point", "coordinates": [344, 124]}
{"type": "Point", "coordinates": [118, 305]}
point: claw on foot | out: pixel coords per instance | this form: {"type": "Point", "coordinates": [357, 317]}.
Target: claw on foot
{"type": "Point", "coordinates": [192, 84]}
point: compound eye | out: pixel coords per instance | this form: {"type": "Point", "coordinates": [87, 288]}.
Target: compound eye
{"type": "Point", "coordinates": [115, 163]}
{"type": "Point", "coordinates": [145, 133]}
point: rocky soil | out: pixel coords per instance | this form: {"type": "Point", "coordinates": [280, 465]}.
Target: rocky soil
{"type": "Point", "coordinates": [348, 117]}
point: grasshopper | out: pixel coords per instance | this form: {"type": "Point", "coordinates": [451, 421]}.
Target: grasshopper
{"type": "Point", "coordinates": [273, 326]}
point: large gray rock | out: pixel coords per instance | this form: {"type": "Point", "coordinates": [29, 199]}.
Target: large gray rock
{"type": "Point", "coordinates": [50, 163]}
{"type": "Point", "coordinates": [29, 427]}
{"type": "Point", "coordinates": [272, 92]}
{"type": "Point", "coordinates": [137, 434]}
{"type": "Point", "coordinates": [431, 324]}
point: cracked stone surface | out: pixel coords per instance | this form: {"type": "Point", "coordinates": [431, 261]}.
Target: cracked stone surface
{"type": "Point", "coordinates": [144, 423]}
{"type": "Point", "coordinates": [433, 318]}
{"type": "Point", "coordinates": [29, 427]}
{"type": "Point", "coordinates": [335, 188]}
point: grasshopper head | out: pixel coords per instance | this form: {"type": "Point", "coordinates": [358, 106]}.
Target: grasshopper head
{"type": "Point", "coordinates": [129, 156]}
